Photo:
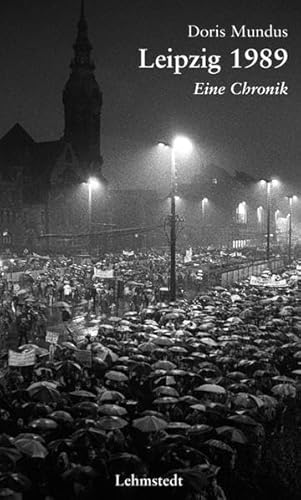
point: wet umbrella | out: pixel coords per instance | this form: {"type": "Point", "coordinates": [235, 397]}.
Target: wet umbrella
{"type": "Point", "coordinates": [30, 436]}
{"type": "Point", "coordinates": [211, 388]}
{"type": "Point", "coordinates": [116, 376]}
{"type": "Point", "coordinates": [235, 435]}
{"type": "Point", "coordinates": [31, 447]}
{"type": "Point", "coordinates": [111, 396]}
{"type": "Point", "coordinates": [91, 435]}
{"type": "Point", "coordinates": [149, 423]}
{"type": "Point", "coordinates": [165, 400]}
{"type": "Point", "coordinates": [44, 391]}
{"type": "Point", "coordinates": [83, 394]}
{"type": "Point", "coordinates": [111, 409]}
{"type": "Point", "coordinates": [43, 424]}
{"type": "Point", "coordinates": [61, 416]}
{"type": "Point", "coordinates": [164, 365]}
{"type": "Point", "coordinates": [111, 422]}
{"type": "Point", "coordinates": [69, 345]}
{"type": "Point", "coordinates": [166, 391]}
{"type": "Point", "coordinates": [219, 445]}
{"type": "Point", "coordinates": [284, 390]}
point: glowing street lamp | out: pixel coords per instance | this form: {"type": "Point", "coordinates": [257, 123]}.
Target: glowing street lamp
{"type": "Point", "coordinates": [268, 183]}
{"type": "Point", "coordinates": [180, 145]}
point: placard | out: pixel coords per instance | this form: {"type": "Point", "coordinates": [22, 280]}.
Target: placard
{"type": "Point", "coordinates": [103, 273]}
{"type": "Point", "coordinates": [52, 337]}
{"type": "Point", "coordinates": [25, 358]}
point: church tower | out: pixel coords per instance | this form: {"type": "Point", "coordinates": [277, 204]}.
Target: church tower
{"type": "Point", "coordinates": [82, 100]}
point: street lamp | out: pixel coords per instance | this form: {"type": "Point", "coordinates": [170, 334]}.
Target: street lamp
{"type": "Point", "coordinates": [291, 199]}
{"type": "Point", "coordinates": [268, 183]}
{"type": "Point", "coordinates": [179, 145]}
{"type": "Point", "coordinates": [93, 183]}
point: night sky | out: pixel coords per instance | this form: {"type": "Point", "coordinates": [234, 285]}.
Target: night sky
{"type": "Point", "coordinates": [260, 135]}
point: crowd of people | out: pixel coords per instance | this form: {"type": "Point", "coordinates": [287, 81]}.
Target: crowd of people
{"type": "Point", "coordinates": [208, 389]}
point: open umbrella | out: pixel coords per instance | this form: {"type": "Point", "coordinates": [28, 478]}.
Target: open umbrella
{"type": "Point", "coordinates": [43, 424]}
{"type": "Point", "coordinates": [111, 422]}
{"type": "Point", "coordinates": [116, 376]}
{"type": "Point", "coordinates": [83, 394]}
{"type": "Point", "coordinates": [211, 388]}
{"type": "Point", "coordinates": [149, 423]}
{"type": "Point", "coordinates": [44, 391]}
{"type": "Point", "coordinates": [61, 416]}
{"type": "Point", "coordinates": [111, 396]}
{"type": "Point", "coordinates": [233, 434]}
{"type": "Point", "coordinates": [31, 447]}
{"type": "Point", "coordinates": [111, 409]}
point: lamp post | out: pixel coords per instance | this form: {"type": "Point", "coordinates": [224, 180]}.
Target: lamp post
{"type": "Point", "coordinates": [291, 199]}
{"type": "Point", "coordinates": [268, 184]}
{"type": "Point", "coordinates": [93, 183]}
{"type": "Point", "coordinates": [180, 144]}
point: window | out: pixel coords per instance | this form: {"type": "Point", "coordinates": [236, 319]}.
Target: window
{"type": "Point", "coordinates": [260, 216]}
{"type": "Point", "coordinates": [241, 213]}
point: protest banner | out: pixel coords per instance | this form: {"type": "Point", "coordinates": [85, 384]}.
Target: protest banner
{"type": "Point", "coordinates": [103, 273]}
{"type": "Point", "coordinates": [25, 358]}
{"type": "Point", "coordinates": [52, 337]}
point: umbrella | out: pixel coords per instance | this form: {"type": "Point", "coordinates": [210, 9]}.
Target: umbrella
{"type": "Point", "coordinates": [83, 394]}
{"type": "Point", "coordinates": [44, 391]}
{"type": "Point", "coordinates": [243, 419]}
{"type": "Point", "coordinates": [61, 303]}
{"type": "Point", "coordinates": [219, 445]}
{"type": "Point", "coordinates": [30, 435]}
{"type": "Point", "coordinates": [69, 345]}
{"type": "Point", "coordinates": [43, 424]}
{"type": "Point", "coordinates": [110, 396]}
{"type": "Point", "coordinates": [166, 391]}
{"type": "Point", "coordinates": [61, 416]}
{"type": "Point", "coordinates": [165, 400]}
{"type": "Point", "coordinates": [213, 388]}
{"type": "Point", "coordinates": [31, 447]}
{"type": "Point", "coordinates": [149, 423]}
{"type": "Point", "coordinates": [164, 365]}
{"type": "Point", "coordinates": [116, 376]}
{"type": "Point", "coordinates": [284, 390]}
{"type": "Point", "coordinates": [110, 409]}
{"type": "Point", "coordinates": [111, 422]}
{"type": "Point", "coordinates": [235, 435]}
{"type": "Point", "coordinates": [90, 435]}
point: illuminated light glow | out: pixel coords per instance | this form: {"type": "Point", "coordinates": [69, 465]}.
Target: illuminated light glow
{"type": "Point", "coordinates": [205, 200]}
{"type": "Point", "coordinates": [182, 144]}
{"type": "Point", "coordinates": [275, 182]}
{"type": "Point", "coordinates": [177, 198]}
{"type": "Point", "coordinates": [93, 182]}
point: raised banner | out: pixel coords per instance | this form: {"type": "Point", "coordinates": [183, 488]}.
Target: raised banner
{"type": "Point", "coordinates": [270, 282]}
{"type": "Point", "coordinates": [52, 337]}
{"type": "Point", "coordinates": [84, 357]}
{"type": "Point", "coordinates": [25, 358]}
{"type": "Point", "coordinates": [103, 273]}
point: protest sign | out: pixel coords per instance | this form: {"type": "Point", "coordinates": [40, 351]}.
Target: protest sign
{"type": "Point", "coordinates": [25, 358]}
{"type": "Point", "coordinates": [103, 273]}
{"type": "Point", "coordinates": [52, 337]}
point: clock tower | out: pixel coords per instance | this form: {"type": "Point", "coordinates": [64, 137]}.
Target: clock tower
{"type": "Point", "coordinates": [82, 101]}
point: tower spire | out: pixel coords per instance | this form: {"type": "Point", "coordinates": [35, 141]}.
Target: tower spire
{"type": "Point", "coordinates": [82, 46]}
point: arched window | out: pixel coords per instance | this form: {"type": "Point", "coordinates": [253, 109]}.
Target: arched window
{"type": "Point", "coordinates": [241, 213]}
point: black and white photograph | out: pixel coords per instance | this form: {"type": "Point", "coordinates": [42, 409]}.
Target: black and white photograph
{"type": "Point", "coordinates": [150, 250]}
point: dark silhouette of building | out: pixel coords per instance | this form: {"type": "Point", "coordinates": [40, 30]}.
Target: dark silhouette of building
{"type": "Point", "coordinates": [45, 181]}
